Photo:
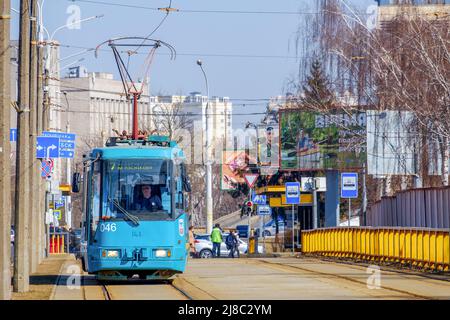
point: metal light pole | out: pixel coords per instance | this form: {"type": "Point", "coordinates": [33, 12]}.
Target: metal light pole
{"type": "Point", "coordinates": [209, 206]}
{"type": "Point", "coordinates": [248, 125]}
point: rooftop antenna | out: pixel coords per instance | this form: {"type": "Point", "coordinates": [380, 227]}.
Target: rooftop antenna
{"type": "Point", "coordinates": [131, 88]}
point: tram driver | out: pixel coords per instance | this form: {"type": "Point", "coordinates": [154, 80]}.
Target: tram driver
{"type": "Point", "coordinates": [148, 202]}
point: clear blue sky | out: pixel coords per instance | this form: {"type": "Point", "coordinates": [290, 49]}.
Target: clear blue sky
{"type": "Point", "coordinates": [240, 37]}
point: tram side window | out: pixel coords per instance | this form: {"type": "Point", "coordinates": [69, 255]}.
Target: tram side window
{"type": "Point", "coordinates": [179, 199]}
{"type": "Point", "coordinates": [95, 196]}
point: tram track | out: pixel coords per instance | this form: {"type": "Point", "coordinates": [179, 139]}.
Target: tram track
{"type": "Point", "coordinates": [297, 269]}
{"type": "Point", "coordinates": [143, 291]}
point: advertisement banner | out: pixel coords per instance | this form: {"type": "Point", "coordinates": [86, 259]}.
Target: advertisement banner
{"type": "Point", "coordinates": [314, 141]}
{"type": "Point", "coordinates": [235, 163]}
{"type": "Point", "coordinates": [268, 145]}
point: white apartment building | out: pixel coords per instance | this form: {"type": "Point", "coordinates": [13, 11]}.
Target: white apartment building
{"type": "Point", "coordinates": [193, 108]}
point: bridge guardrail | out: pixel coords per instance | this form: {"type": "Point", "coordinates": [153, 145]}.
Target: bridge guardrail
{"type": "Point", "coordinates": [418, 247]}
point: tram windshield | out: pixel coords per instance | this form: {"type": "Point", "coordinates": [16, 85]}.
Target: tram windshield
{"type": "Point", "coordinates": [137, 190]}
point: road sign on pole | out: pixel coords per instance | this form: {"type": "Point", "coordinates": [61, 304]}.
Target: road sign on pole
{"type": "Point", "coordinates": [292, 192]}
{"type": "Point", "coordinates": [57, 214]}
{"type": "Point", "coordinates": [251, 179]}
{"type": "Point", "coordinates": [47, 147]}
{"type": "Point", "coordinates": [66, 143]}
{"type": "Point", "coordinates": [260, 199]}
{"type": "Point", "coordinates": [59, 203]}
{"type": "Point", "coordinates": [46, 168]}
{"type": "Point", "coordinates": [293, 197]}
{"type": "Point", "coordinates": [12, 135]}
{"type": "Point", "coordinates": [264, 210]}
{"type": "Point", "coordinates": [349, 185]}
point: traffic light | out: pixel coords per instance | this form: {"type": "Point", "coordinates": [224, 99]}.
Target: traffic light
{"type": "Point", "coordinates": [249, 206]}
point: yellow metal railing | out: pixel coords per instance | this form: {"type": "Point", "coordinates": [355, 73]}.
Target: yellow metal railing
{"type": "Point", "coordinates": [421, 248]}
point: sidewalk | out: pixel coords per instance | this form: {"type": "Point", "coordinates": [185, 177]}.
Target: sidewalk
{"type": "Point", "coordinates": [42, 283]}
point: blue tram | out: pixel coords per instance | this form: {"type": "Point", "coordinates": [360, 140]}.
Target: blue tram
{"type": "Point", "coordinates": [134, 201]}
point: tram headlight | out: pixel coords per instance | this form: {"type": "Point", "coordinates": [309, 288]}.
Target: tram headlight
{"type": "Point", "coordinates": [161, 253]}
{"type": "Point", "coordinates": [111, 253]}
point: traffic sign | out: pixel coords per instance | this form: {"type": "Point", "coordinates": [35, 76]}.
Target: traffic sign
{"type": "Point", "coordinates": [251, 179]}
{"type": "Point", "coordinates": [12, 135]}
{"type": "Point", "coordinates": [66, 143]}
{"type": "Point", "coordinates": [264, 210]}
{"type": "Point", "coordinates": [47, 147]}
{"type": "Point", "coordinates": [66, 154]}
{"type": "Point", "coordinates": [61, 135]}
{"type": "Point", "coordinates": [46, 168]}
{"type": "Point", "coordinates": [259, 199]}
{"type": "Point", "coordinates": [57, 214]}
{"type": "Point", "coordinates": [59, 204]}
{"type": "Point", "coordinates": [349, 185]}
{"type": "Point", "coordinates": [292, 192]}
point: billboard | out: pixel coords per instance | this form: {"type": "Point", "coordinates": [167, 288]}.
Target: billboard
{"type": "Point", "coordinates": [268, 148]}
{"type": "Point", "coordinates": [317, 141]}
{"type": "Point", "coordinates": [390, 143]}
{"type": "Point", "coordinates": [235, 163]}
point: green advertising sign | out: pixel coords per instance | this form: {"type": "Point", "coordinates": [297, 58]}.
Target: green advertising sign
{"type": "Point", "coordinates": [317, 141]}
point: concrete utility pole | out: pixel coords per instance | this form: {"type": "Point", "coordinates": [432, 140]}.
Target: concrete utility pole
{"type": "Point", "coordinates": [40, 125]}
{"type": "Point", "coordinates": [209, 205]}
{"type": "Point", "coordinates": [5, 149]}
{"type": "Point", "coordinates": [22, 203]}
{"type": "Point", "coordinates": [34, 173]}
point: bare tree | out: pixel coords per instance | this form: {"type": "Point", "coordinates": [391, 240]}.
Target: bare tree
{"type": "Point", "coordinates": [170, 119]}
{"type": "Point", "coordinates": [404, 65]}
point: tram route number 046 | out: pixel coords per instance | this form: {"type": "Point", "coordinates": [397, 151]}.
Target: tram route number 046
{"type": "Point", "coordinates": [108, 227]}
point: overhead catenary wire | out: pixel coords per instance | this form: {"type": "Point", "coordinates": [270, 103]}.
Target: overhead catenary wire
{"type": "Point", "coordinates": [241, 12]}
{"type": "Point", "coordinates": [198, 54]}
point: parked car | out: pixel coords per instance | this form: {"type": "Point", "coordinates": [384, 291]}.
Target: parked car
{"type": "Point", "coordinates": [270, 228]}
{"type": "Point", "coordinates": [203, 246]}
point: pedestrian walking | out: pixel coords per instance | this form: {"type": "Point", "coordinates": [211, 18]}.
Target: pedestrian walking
{"type": "Point", "coordinates": [216, 238]}
{"type": "Point", "coordinates": [192, 250]}
{"type": "Point", "coordinates": [232, 243]}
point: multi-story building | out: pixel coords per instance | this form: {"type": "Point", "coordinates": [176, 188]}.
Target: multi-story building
{"type": "Point", "coordinates": [430, 9]}
{"type": "Point", "coordinates": [192, 109]}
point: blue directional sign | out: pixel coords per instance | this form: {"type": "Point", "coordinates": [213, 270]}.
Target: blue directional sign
{"type": "Point", "coordinates": [349, 185]}
{"type": "Point", "coordinates": [66, 143]}
{"type": "Point", "coordinates": [47, 147]}
{"type": "Point", "coordinates": [292, 192]}
{"type": "Point", "coordinates": [66, 154]}
{"type": "Point", "coordinates": [59, 204]}
{"type": "Point", "coordinates": [264, 210]}
{"type": "Point", "coordinates": [61, 135]}
{"type": "Point", "coordinates": [12, 135]}
{"type": "Point", "coordinates": [259, 199]}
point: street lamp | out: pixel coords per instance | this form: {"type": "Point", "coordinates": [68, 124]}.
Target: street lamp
{"type": "Point", "coordinates": [209, 206]}
{"type": "Point", "coordinates": [248, 125]}
{"type": "Point", "coordinates": [68, 167]}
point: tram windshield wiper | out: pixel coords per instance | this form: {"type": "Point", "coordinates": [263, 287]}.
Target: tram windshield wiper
{"type": "Point", "coordinates": [132, 218]}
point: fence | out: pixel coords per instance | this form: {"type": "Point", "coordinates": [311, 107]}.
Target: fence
{"type": "Point", "coordinates": [420, 208]}
{"type": "Point", "coordinates": [420, 248]}
{"type": "Point", "coordinates": [58, 243]}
